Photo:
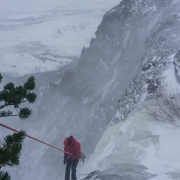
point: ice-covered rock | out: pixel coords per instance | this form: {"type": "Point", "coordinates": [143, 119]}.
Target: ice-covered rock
{"type": "Point", "coordinates": [138, 148]}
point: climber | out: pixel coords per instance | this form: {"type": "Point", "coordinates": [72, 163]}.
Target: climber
{"type": "Point", "coordinates": [71, 160]}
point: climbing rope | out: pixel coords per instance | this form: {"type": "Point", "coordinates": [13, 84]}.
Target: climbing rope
{"type": "Point", "coordinates": [61, 171]}
{"type": "Point", "coordinates": [63, 166]}
{"type": "Point", "coordinates": [7, 127]}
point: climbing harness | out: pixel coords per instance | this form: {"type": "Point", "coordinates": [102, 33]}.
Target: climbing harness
{"type": "Point", "coordinates": [82, 157]}
{"type": "Point", "coordinates": [7, 127]}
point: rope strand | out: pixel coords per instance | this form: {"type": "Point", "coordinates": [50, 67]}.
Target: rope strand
{"type": "Point", "coordinates": [7, 127]}
{"type": "Point", "coordinates": [61, 170]}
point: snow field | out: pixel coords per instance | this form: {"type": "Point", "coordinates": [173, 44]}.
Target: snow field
{"type": "Point", "coordinates": [57, 27]}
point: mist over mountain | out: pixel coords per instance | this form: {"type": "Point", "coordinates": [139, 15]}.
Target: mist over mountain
{"type": "Point", "coordinates": [43, 35]}
{"type": "Point", "coordinates": [130, 58]}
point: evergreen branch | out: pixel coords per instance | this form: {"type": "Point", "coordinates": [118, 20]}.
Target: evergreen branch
{"type": "Point", "coordinates": [24, 113]}
{"type": "Point", "coordinates": [9, 87]}
{"type": "Point", "coordinates": [31, 97]}
{"type": "Point", "coordinates": [0, 78]}
{"type": "Point", "coordinates": [10, 149]}
{"type": "Point", "coordinates": [5, 105]}
{"type": "Point", "coordinates": [5, 113]}
{"type": "Point", "coordinates": [30, 84]}
{"type": "Point", "coordinates": [4, 175]}
{"type": "Point", "coordinates": [10, 115]}
{"type": "Point", "coordinates": [12, 104]}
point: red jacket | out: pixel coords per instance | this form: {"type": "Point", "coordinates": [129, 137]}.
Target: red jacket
{"type": "Point", "coordinates": [74, 149]}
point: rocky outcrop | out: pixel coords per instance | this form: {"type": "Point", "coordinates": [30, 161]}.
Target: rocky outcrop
{"type": "Point", "coordinates": [160, 47]}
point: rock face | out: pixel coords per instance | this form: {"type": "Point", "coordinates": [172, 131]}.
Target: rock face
{"type": "Point", "coordinates": [135, 37]}
{"type": "Point", "coordinates": [125, 61]}
{"type": "Point", "coordinates": [161, 50]}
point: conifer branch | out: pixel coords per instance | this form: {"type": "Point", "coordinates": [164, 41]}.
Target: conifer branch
{"type": "Point", "coordinates": [14, 96]}
{"type": "Point", "coordinates": [11, 147]}
{"type": "Point", "coordinates": [4, 175]}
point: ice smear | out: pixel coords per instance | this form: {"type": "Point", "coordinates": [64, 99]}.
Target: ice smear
{"type": "Point", "coordinates": [170, 77]}
{"type": "Point", "coordinates": [137, 142]}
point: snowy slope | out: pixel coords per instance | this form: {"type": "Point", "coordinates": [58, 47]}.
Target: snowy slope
{"type": "Point", "coordinates": [139, 148]}
{"type": "Point", "coordinates": [55, 28]}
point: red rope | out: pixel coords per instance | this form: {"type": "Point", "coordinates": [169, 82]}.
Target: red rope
{"type": "Point", "coordinates": [33, 138]}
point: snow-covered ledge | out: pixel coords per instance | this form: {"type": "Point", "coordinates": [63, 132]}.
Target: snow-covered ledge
{"type": "Point", "coordinates": [138, 147]}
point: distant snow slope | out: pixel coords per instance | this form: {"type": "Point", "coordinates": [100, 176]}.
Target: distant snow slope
{"type": "Point", "coordinates": [57, 28]}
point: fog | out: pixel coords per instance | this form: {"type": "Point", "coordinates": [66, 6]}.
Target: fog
{"type": "Point", "coordinates": [34, 32]}
{"type": "Point", "coordinates": [35, 37]}
{"type": "Point", "coordinates": [78, 96]}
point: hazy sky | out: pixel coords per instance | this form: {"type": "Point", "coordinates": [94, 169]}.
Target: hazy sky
{"type": "Point", "coordinates": [32, 6]}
